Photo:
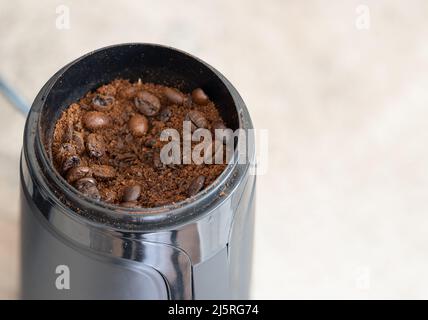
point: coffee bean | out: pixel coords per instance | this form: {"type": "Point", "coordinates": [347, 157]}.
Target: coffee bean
{"type": "Point", "coordinates": [86, 180]}
{"type": "Point", "coordinates": [147, 103]}
{"type": "Point", "coordinates": [102, 102]}
{"type": "Point", "coordinates": [79, 142]}
{"type": "Point", "coordinates": [95, 145]}
{"type": "Point", "coordinates": [87, 186]}
{"type": "Point", "coordinates": [64, 151]}
{"type": "Point", "coordinates": [126, 157]}
{"type": "Point", "coordinates": [196, 185]}
{"type": "Point", "coordinates": [66, 148]}
{"type": "Point", "coordinates": [68, 132]}
{"type": "Point", "coordinates": [192, 125]}
{"type": "Point", "coordinates": [165, 114]}
{"type": "Point", "coordinates": [197, 118]}
{"type": "Point", "coordinates": [77, 173]}
{"type": "Point", "coordinates": [103, 171]}
{"type": "Point", "coordinates": [129, 204]}
{"type": "Point", "coordinates": [138, 125]}
{"type": "Point", "coordinates": [91, 192]}
{"type": "Point", "coordinates": [173, 96]}
{"type": "Point", "coordinates": [199, 96]}
{"type": "Point", "coordinates": [94, 120]}
{"type": "Point", "coordinates": [218, 125]}
{"type": "Point", "coordinates": [131, 193]}
{"type": "Point", "coordinates": [70, 162]}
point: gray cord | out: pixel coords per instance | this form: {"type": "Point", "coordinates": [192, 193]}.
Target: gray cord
{"type": "Point", "coordinates": [14, 98]}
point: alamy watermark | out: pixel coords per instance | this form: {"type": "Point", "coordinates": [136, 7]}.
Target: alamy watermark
{"type": "Point", "coordinates": [362, 21]}
{"type": "Point", "coordinates": [62, 21]}
{"type": "Point", "coordinates": [62, 281]}
{"type": "Point", "coordinates": [226, 146]}
{"type": "Point", "coordinates": [363, 278]}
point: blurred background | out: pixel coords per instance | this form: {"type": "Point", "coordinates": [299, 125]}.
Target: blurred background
{"type": "Point", "coordinates": [342, 88]}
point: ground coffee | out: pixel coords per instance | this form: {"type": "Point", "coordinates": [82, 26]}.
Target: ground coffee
{"type": "Point", "coordinates": [107, 144]}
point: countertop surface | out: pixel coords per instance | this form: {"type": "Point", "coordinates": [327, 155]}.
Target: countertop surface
{"type": "Point", "coordinates": [342, 210]}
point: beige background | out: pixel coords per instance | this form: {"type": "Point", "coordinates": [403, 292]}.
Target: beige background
{"type": "Point", "coordinates": [342, 211]}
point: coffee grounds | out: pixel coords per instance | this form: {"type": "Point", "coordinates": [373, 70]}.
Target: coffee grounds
{"type": "Point", "coordinates": [107, 144]}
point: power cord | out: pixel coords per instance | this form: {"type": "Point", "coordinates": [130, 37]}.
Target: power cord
{"type": "Point", "coordinates": [13, 97]}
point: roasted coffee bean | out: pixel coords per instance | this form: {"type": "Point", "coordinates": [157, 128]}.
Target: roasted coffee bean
{"type": "Point", "coordinates": [192, 125]}
{"type": "Point", "coordinates": [197, 118]}
{"type": "Point", "coordinates": [94, 120]}
{"type": "Point", "coordinates": [129, 204]}
{"type": "Point", "coordinates": [165, 114]}
{"type": "Point", "coordinates": [146, 103]}
{"type": "Point", "coordinates": [199, 96]}
{"type": "Point", "coordinates": [138, 125]}
{"type": "Point", "coordinates": [196, 185]}
{"type": "Point", "coordinates": [173, 96]}
{"type": "Point", "coordinates": [68, 132]}
{"type": "Point", "coordinates": [131, 193]}
{"type": "Point", "coordinates": [95, 145]}
{"type": "Point", "coordinates": [64, 151]}
{"type": "Point", "coordinates": [70, 162]}
{"type": "Point", "coordinates": [218, 125]}
{"type": "Point", "coordinates": [77, 173]}
{"type": "Point", "coordinates": [86, 180]}
{"type": "Point", "coordinates": [87, 186]}
{"type": "Point", "coordinates": [126, 157]}
{"type": "Point", "coordinates": [79, 142]}
{"type": "Point", "coordinates": [91, 192]}
{"type": "Point", "coordinates": [102, 171]}
{"type": "Point", "coordinates": [102, 102]}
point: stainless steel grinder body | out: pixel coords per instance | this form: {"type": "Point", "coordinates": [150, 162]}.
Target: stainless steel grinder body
{"type": "Point", "coordinates": [75, 248]}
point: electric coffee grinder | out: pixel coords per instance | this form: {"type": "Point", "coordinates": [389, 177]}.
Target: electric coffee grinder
{"type": "Point", "coordinates": [73, 247]}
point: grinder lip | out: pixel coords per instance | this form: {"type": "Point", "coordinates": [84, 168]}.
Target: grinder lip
{"type": "Point", "coordinates": [60, 193]}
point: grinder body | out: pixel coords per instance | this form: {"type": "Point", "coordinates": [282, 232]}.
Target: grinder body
{"type": "Point", "coordinates": [207, 259]}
